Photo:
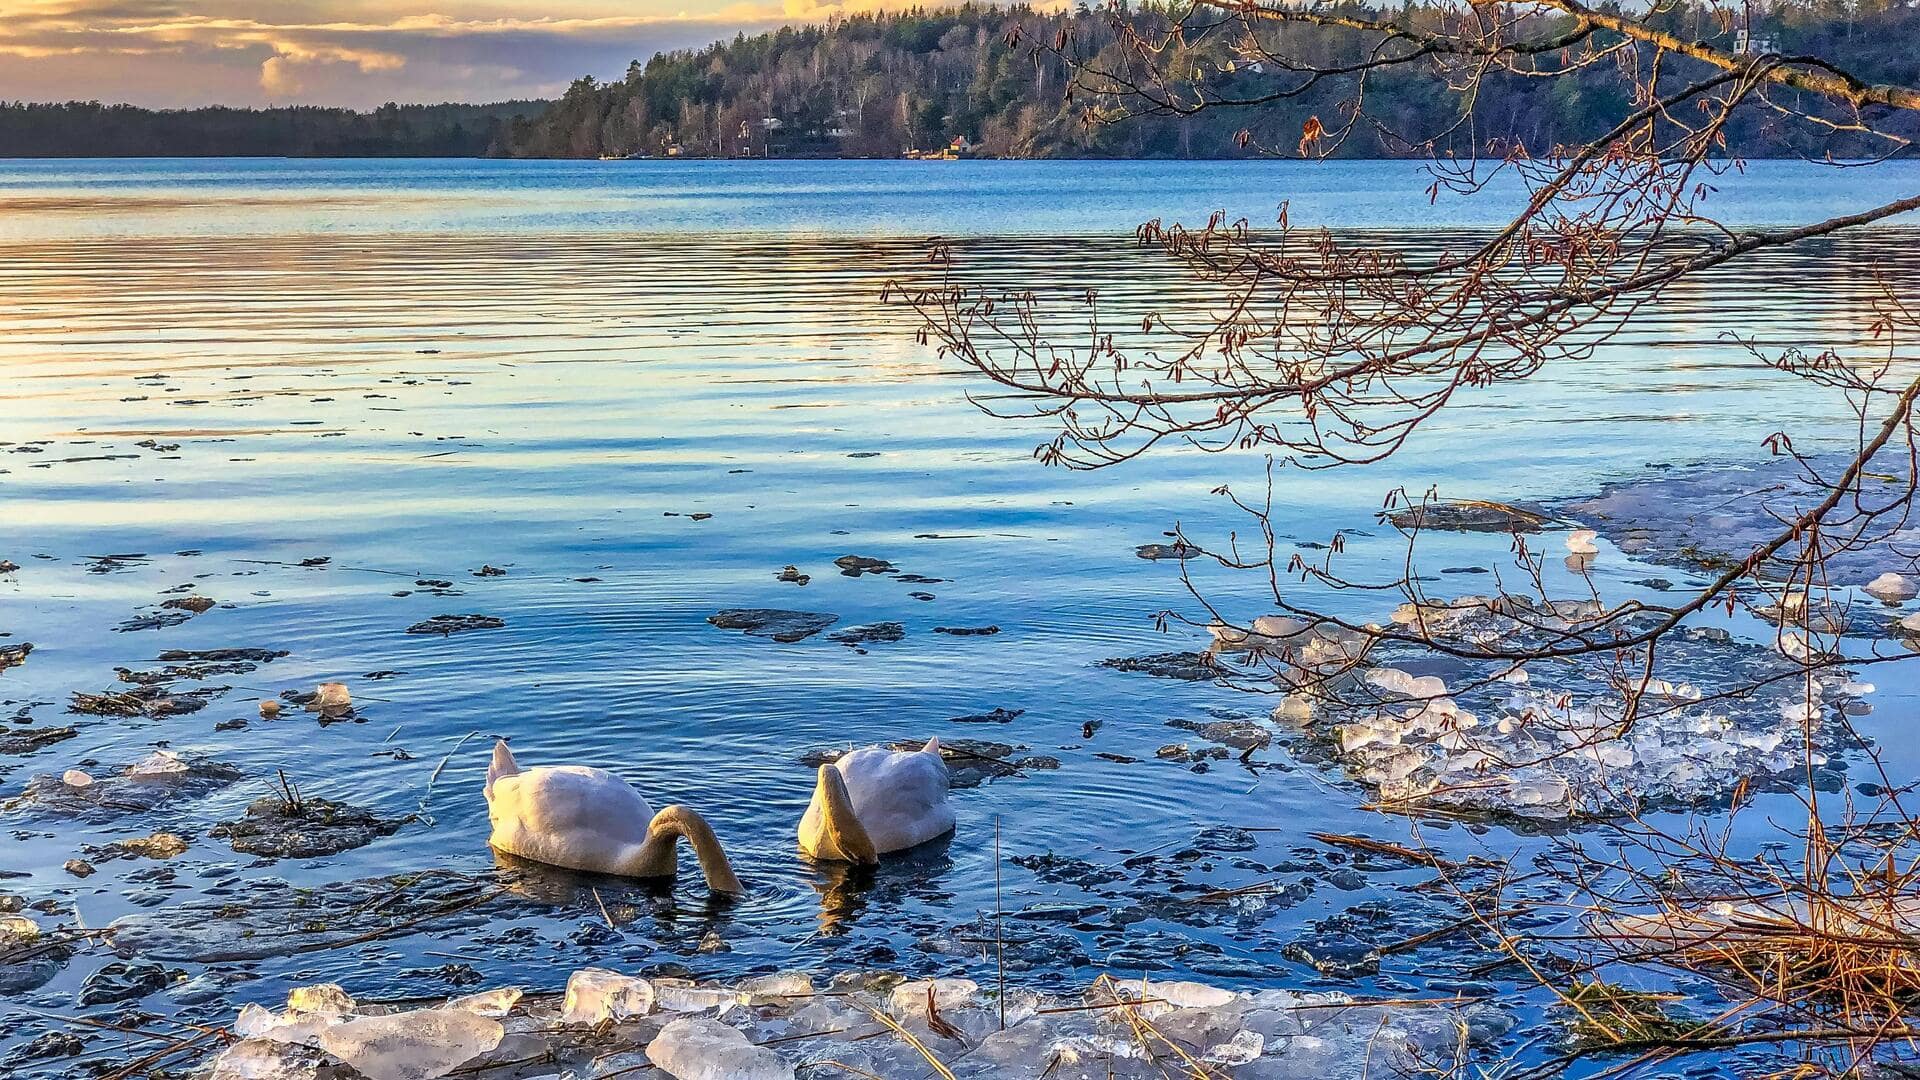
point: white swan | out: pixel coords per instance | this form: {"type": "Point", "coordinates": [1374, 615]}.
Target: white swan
{"type": "Point", "coordinates": [874, 801]}
{"type": "Point", "coordinates": [589, 819]}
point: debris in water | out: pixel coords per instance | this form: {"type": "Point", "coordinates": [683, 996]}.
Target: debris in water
{"type": "Point", "coordinates": [301, 827]}
{"type": "Point", "coordinates": [869, 634]}
{"type": "Point", "coordinates": [776, 623]}
{"type": "Point", "coordinates": [331, 699]}
{"type": "Point", "coordinates": [197, 605]}
{"type": "Point", "coordinates": [967, 631]}
{"type": "Point", "coordinates": [123, 791]}
{"type": "Point", "coordinates": [997, 715]}
{"type": "Point", "coordinates": [161, 845]}
{"type": "Point", "coordinates": [489, 570]}
{"type": "Point", "coordinates": [14, 655]}
{"type": "Point", "coordinates": [792, 574]}
{"type": "Point", "coordinates": [1177, 550]}
{"type": "Point", "coordinates": [1190, 666]}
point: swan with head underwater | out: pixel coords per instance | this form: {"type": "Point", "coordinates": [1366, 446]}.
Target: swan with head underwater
{"type": "Point", "coordinates": [589, 819]}
{"type": "Point", "coordinates": [875, 801]}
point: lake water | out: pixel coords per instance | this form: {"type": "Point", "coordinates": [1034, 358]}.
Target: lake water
{"type": "Point", "coordinates": [225, 372]}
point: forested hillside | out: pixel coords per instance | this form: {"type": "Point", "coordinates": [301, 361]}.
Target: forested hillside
{"type": "Point", "coordinates": [90, 129]}
{"type": "Point", "coordinates": [879, 85]}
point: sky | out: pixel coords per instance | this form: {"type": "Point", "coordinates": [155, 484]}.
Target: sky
{"type": "Point", "coordinates": [360, 53]}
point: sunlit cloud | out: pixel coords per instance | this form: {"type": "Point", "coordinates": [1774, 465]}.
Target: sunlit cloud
{"type": "Point", "coordinates": [350, 52]}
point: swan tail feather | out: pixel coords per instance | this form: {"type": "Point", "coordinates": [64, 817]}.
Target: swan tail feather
{"type": "Point", "coordinates": [503, 766]}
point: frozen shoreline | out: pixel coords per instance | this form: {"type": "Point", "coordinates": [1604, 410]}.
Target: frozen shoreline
{"type": "Point", "coordinates": [775, 1027]}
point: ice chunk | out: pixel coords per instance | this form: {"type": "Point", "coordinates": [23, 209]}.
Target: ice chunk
{"type": "Point", "coordinates": [263, 1059]}
{"type": "Point", "coordinates": [596, 994]}
{"type": "Point", "coordinates": [1581, 542]}
{"type": "Point", "coordinates": [74, 778]}
{"type": "Point", "coordinates": [697, 1048]}
{"type": "Point", "coordinates": [909, 999]}
{"type": "Point", "coordinates": [18, 930]}
{"type": "Point", "coordinates": [1242, 1048]}
{"type": "Point", "coordinates": [777, 989]}
{"type": "Point", "coordinates": [494, 1003]}
{"type": "Point", "coordinates": [417, 1045]}
{"type": "Point", "coordinates": [159, 765]}
{"type": "Point", "coordinates": [319, 998]}
{"type": "Point", "coordinates": [683, 996]}
{"type": "Point", "coordinates": [1891, 588]}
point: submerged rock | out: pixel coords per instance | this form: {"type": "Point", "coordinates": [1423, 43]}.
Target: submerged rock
{"type": "Point", "coordinates": [28, 740]}
{"type": "Point", "coordinates": [448, 625]}
{"type": "Point", "coordinates": [856, 565]}
{"type": "Point", "coordinates": [14, 655]}
{"type": "Point", "coordinates": [869, 634]}
{"type": "Point", "coordinates": [776, 623]}
{"type": "Point", "coordinates": [29, 959]}
{"type": "Point", "coordinates": [281, 828]}
{"type": "Point", "coordinates": [265, 917]}
{"type": "Point", "coordinates": [1468, 515]}
{"type": "Point", "coordinates": [1189, 666]}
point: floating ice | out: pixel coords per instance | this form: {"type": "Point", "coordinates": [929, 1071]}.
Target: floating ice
{"type": "Point", "coordinates": [74, 778]}
{"type": "Point", "coordinates": [596, 994]}
{"type": "Point", "coordinates": [493, 1003]}
{"type": "Point", "coordinates": [1581, 542]}
{"type": "Point", "coordinates": [685, 996]}
{"type": "Point", "coordinates": [697, 1048]}
{"type": "Point", "coordinates": [1125, 1029]}
{"type": "Point", "coordinates": [1481, 738]}
{"type": "Point", "coordinates": [1892, 588]}
{"type": "Point", "coordinates": [159, 765]}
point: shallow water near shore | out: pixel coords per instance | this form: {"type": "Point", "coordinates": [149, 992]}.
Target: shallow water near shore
{"type": "Point", "coordinates": [602, 407]}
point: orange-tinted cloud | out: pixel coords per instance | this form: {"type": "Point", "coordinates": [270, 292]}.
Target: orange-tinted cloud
{"type": "Point", "coordinates": [351, 52]}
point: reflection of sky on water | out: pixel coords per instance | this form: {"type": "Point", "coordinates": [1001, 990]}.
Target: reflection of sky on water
{"type": "Point", "coordinates": [415, 406]}
{"type": "Point", "coordinates": [135, 197]}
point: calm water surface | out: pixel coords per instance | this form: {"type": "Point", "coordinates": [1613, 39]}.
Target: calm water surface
{"type": "Point", "coordinates": [411, 370]}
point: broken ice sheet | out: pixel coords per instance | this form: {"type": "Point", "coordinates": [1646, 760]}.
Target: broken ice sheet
{"type": "Point", "coordinates": [1566, 742]}
{"type": "Point", "coordinates": [1113, 1029]}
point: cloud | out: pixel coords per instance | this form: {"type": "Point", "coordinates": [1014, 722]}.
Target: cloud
{"type": "Point", "coordinates": [187, 52]}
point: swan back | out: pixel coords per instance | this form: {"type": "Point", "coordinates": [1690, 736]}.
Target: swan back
{"type": "Point", "coordinates": [568, 815]}
{"type": "Point", "coordinates": [899, 797]}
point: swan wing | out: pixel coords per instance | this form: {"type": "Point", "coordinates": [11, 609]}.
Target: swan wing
{"type": "Point", "coordinates": [899, 797]}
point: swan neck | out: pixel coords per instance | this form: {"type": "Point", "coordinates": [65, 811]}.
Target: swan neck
{"type": "Point", "coordinates": [676, 822]}
{"type": "Point", "coordinates": [842, 835]}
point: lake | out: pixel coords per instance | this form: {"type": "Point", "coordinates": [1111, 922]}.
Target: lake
{"type": "Point", "coordinates": [329, 395]}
